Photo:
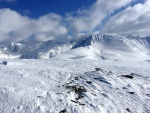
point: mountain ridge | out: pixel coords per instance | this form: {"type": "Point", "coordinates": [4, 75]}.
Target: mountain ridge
{"type": "Point", "coordinates": [110, 47]}
{"type": "Point", "coordinates": [95, 45]}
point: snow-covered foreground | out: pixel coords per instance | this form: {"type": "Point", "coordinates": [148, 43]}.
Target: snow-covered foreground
{"type": "Point", "coordinates": [74, 86]}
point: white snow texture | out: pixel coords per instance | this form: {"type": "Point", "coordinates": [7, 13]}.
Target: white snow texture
{"type": "Point", "coordinates": [98, 74]}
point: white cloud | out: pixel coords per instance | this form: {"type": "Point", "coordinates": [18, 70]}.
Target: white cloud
{"type": "Point", "coordinates": [14, 26]}
{"type": "Point", "coordinates": [88, 19]}
{"type": "Point", "coordinates": [50, 27]}
{"type": "Point", "coordinates": [134, 20]}
{"type": "Point", "coordinates": [10, 21]}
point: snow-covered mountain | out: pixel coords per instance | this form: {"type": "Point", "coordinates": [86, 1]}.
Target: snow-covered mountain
{"type": "Point", "coordinates": [31, 49]}
{"type": "Point", "coordinates": [11, 50]}
{"type": "Point", "coordinates": [96, 46]}
{"type": "Point", "coordinates": [15, 49]}
{"type": "Point", "coordinates": [47, 50]}
{"type": "Point", "coordinates": [110, 47]}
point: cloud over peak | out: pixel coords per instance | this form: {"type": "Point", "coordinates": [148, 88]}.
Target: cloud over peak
{"type": "Point", "coordinates": [132, 20]}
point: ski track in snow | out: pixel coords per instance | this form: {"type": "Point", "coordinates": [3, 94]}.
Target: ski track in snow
{"type": "Point", "coordinates": [40, 86]}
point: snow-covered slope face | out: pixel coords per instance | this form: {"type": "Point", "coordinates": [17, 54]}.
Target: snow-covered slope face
{"type": "Point", "coordinates": [30, 49]}
{"type": "Point", "coordinates": [110, 47]}
{"type": "Point", "coordinates": [47, 50]}
{"type": "Point", "coordinates": [11, 50]}
{"type": "Point", "coordinates": [14, 50]}
{"type": "Point", "coordinates": [140, 44]}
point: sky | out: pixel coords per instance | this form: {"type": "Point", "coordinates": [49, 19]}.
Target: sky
{"type": "Point", "coordinates": [72, 19]}
{"type": "Point", "coordinates": [39, 8]}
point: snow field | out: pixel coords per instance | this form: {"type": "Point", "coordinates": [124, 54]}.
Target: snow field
{"type": "Point", "coordinates": [74, 86]}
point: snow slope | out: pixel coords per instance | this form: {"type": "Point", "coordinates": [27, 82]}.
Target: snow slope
{"type": "Point", "coordinates": [31, 49]}
{"type": "Point", "coordinates": [47, 50]}
{"type": "Point", "coordinates": [74, 86]}
{"type": "Point", "coordinates": [114, 47]}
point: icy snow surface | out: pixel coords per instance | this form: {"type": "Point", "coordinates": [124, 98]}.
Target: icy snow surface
{"type": "Point", "coordinates": [74, 86]}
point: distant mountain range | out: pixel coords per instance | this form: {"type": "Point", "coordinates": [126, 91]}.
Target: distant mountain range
{"type": "Point", "coordinates": [90, 47]}
{"type": "Point", "coordinates": [29, 49]}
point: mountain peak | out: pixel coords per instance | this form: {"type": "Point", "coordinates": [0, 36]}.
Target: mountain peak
{"type": "Point", "coordinates": [97, 38]}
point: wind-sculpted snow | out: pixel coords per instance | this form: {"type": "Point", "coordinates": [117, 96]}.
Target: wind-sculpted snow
{"type": "Point", "coordinates": [74, 86]}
